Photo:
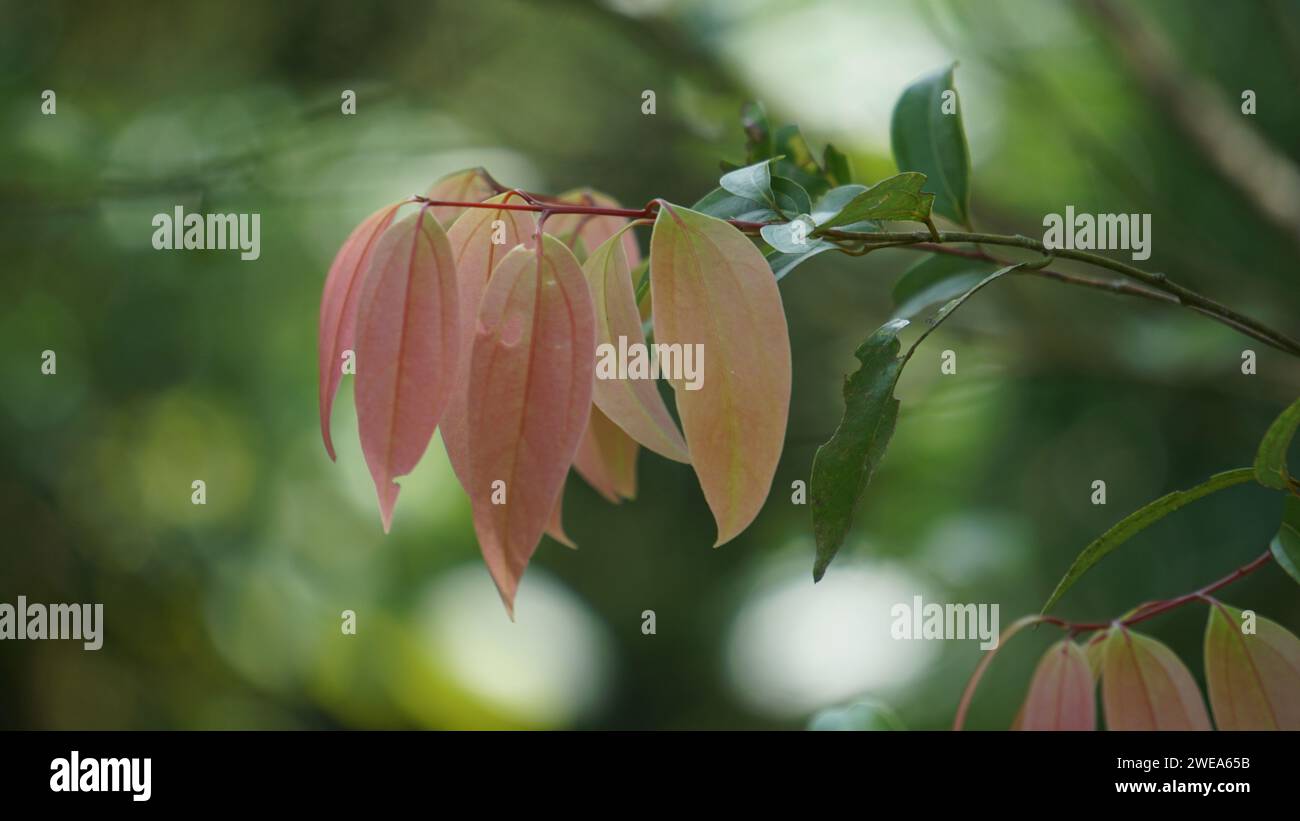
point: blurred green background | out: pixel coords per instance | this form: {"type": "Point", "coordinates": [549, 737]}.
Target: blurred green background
{"type": "Point", "coordinates": [175, 366]}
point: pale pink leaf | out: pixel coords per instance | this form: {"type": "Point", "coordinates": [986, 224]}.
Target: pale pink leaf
{"type": "Point", "coordinates": [476, 256]}
{"type": "Point", "coordinates": [555, 527]}
{"type": "Point", "coordinates": [338, 309]}
{"type": "Point", "coordinates": [529, 399]}
{"type": "Point", "coordinates": [1061, 694]}
{"type": "Point", "coordinates": [632, 404]}
{"type": "Point", "coordinates": [606, 458]}
{"type": "Point", "coordinates": [470, 185]}
{"type": "Point", "coordinates": [1144, 686]}
{"type": "Point", "coordinates": [712, 287]}
{"type": "Point", "coordinates": [584, 233]}
{"type": "Point", "coordinates": [1253, 678]}
{"type": "Point", "coordinates": [408, 330]}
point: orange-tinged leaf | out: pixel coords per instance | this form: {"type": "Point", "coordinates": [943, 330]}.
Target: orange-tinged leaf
{"type": "Point", "coordinates": [710, 286]}
{"type": "Point", "coordinates": [407, 336]}
{"type": "Point", "coordinates": [530, 397]}
{"type": "Point", "coordinates": [1253, 678]}
{"type": "Point", "coordinates": [338, 309]}
{"type": "Point", "coordinates": [1061, 693]}
{"type": "Point", "coordinates": [606, 458]}
{"type": "Point", "coordinates": [1144, 686]}
{"type": "Point", "coordinates": [476, 257]}
{"type": "Point", "coordinates": [589, 231]}
{"type": "Point", "coordinates": [632, 404]}
{"type": "Point", "coordinates": [470, 185]}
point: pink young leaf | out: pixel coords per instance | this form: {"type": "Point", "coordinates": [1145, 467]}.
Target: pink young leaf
{"type": "Point", "coordinates": [529, 397]}
{"type": "Point", "coordinates": [338, 309]}
{"type": "Point", "coordinates": [475, 248]}
{"type": "Point", "coordinates": [555, 527]}
{"type": "Point", "coordinates": [632, 404]}
{"type": "Point", "coordinates": [712, 288]}
{"type": "Point", "coordinates": [408, 331]}
{"type": "Point", "coordinates": [584, 233]}
{"type": "Point", "coordinates": [1253, 677]}
{"type": "Point", "coordinates": [606, 458]}
{"type": "Point", "coordinates": [1144, 686]}
{"type": "Point", "coordinates": [470, 185]}
{"type": "Point", "coordinates": [1061, 693]}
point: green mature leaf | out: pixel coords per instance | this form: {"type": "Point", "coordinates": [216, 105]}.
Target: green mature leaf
{"type": "Point", "coordinates": [793, 237]}
{"type": "Point", "coordinates": [928, 140]}
{"type": "Point", "coordinates": [838, 171]}
{"type": "Point", "coordinates": [934, 279]}
{"type": "Point", "coordinates": [1138, 521]}
{"type": "Point", "coordinates": [753, 182]}
{"type": "Point", "coordinates": [725, 205]}
{"type": "Point", "coordinates": [1270, 462]}
{"type": "Point", "coordinates": [791, 196]}
{"type": "Point", "coordinates": [861, 715]}
{"type": "Point", "coordinates": [833, 201]}
{"type": "Point", "coordinates": [798, 162]}
{"type": "Point", "coordinates": [896, 198]}
{"type": "Point", "coordinates": [1286, 544]}
{"type": "Point", "coordinates": [842, 468]}
{"type": "Point", "coordinates": [782, 264]}
{"type": "Point", "coordinates": [758, 134]}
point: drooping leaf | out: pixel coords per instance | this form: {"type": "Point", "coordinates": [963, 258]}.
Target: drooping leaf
{"type": "Point", "coordinates": [1286, 544]}
{"type": "Point", "coordinates": [632, 404]}
{"type": "Point", "coordinates": [555, 527]}
{"type": "Point", "coordinates": [476, 255]}
{"type": "Point", "coordinates": [338, 309]}
{"type": "Point", "coordinates": [896, 198]}
{"type": "Point", "coordinates": [1270, 462]}
{"type": "Point", "coordinates": [711, 287]}
{"type": "Point", "coordinates": [859, 716]}
{"type": "Point", "coordinates": [1061, 693]}
{"type": "Point", "coordinates": [935, 279]}
{"type": "Point", "coordinates": [591, 230]}
{"type": "Point", "coordinates": [530, 386]}
{"type": "Point", "coordinates": [408, 336]}
{"type": "Point", "coordinates": [606, 458]}
{"type": "Point", "coordinates": [1253, 678]}
{"type": "Point", "coordinates": [470, 185]}
{"type": "Point", "coordinates": [927, 139]}
{"type": "Point", "coordinates": [753, 182]}
{"type": "Point", "coordinates": [968, 694]}
{"type": "Point", "coordinates": [1138, 521]}
{"type": "Point", "coordinates": [843, 466]}
{"type": "Point", "coordinates": [1144, 686]}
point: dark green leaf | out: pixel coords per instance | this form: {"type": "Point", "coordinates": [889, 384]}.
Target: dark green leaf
{"type": "Point", "coordinates": [842, 468]}
{"type": "Point", "coordinates": [783, 264]}
{"type": "Point", "coordinates": [836, 166]}
{"type": "Point", "coordinates": [936, 278]}
{"type": "Point", "coordinates": [1270, 462]}
{"type": "Point", "coordinates": [833, 201]}
{"type": "Point", "coordinates": [798, 162]}
{"type": "Point", "coordinates": [862, 715]}
{"type": "Point", "coordinates": [1286, 544]}
{"type": "Point", "coordinates": [896, 198]}
{"type": "Point", "coordinates": [1138, 521]}
{"type": "Point", "coordinates": [753, 182]}
{"type": "Point", "coordinates": [926, 139]}
{"type": "Point", "coordinates": [791, 197]}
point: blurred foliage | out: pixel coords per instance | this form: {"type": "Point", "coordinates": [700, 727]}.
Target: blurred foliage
{"type": "Point", "coordinates": [174, 366]}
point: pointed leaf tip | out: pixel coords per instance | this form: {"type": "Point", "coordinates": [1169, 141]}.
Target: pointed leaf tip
{"type": "Point", "coordinates": [407, 337]}
{"type": "Point", "coordinates": [1144, 686]}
